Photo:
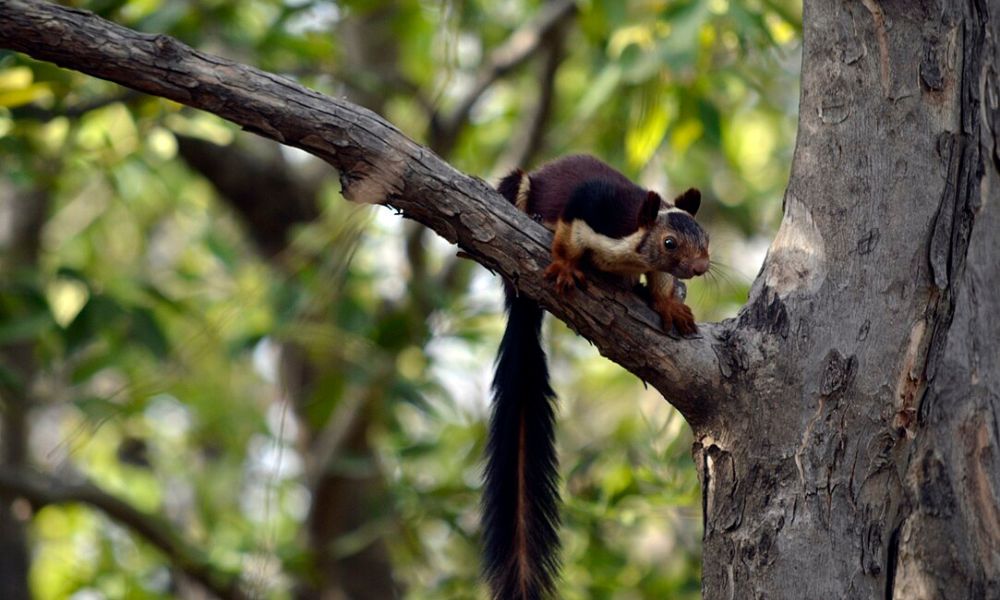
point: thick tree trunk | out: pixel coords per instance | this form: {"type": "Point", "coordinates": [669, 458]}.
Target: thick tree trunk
{"type": "Point", "coordinates": [857, 456]}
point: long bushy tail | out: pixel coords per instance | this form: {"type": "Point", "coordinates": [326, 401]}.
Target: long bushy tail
{"type": "Point", "coordinates": [521, 496]}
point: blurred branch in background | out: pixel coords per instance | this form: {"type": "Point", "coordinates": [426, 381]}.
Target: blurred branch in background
{"type": "Point", "coordinates": [522, 45]}
{"type": "Point", "coordinates": [43, 490]}
{"type": "Point", "coordinates": [272, 197]}
{"type": "Point", "coordinates": [527, 144]}
{"type": "Point", "coordinates": [258, 184]}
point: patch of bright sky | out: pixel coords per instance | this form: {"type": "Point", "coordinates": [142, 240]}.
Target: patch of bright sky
{"type": "Point", "coordinates": [167, 416]}
{"type": "Point", "coordinates": [319, 17]}
{"type": "Point", "coordinates": [266, 355]}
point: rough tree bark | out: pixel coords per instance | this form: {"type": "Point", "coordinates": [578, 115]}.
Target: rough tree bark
{"type": "Point", "coordinates": [857, 453]}
{"type": "Point", "coordinates": [847, 421]}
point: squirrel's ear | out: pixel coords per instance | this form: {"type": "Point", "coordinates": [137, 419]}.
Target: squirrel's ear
{"type": "Point", "coordinates": [689, 201]}
{"type": "Point", "coordinates": [650, 208]}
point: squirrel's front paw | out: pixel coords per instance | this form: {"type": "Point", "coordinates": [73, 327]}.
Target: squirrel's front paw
{"type": "Point", "coordinates": [566, 275]}
{"type": "Point", "coordinates": [678, 316]}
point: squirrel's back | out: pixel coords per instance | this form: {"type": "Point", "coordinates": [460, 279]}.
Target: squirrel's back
{"type": "Point", "coordinates": [552, 185]}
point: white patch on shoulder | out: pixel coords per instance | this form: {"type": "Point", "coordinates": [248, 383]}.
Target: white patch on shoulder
{"type": "Point", "coordinates": [609, 254]}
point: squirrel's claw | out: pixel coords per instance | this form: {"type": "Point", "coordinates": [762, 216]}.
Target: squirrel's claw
{"type": "Point", "coordinates": [679, 317]}
{"type": "Point", "coordinates": [566, 276]}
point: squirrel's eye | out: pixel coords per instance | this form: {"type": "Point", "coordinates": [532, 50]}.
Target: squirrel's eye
{"type": "Point", "coordinates": [670, 243]}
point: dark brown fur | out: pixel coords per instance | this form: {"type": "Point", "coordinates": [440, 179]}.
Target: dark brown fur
{"type": "Point", "coordinates": [598, 216]}
{"type": "Point", "coordinates": [553, 184]}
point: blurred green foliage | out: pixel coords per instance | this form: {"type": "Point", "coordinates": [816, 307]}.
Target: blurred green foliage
{"type": "Point", "coordinates": [155, 327]}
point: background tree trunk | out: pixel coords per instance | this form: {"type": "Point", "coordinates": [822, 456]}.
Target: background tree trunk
{"type": "Point", "coordinates": [246, 176]}
{"type": "Point", "coordinates": [26, 210]}
{"type": "Point", "coordinates": [857, 454]}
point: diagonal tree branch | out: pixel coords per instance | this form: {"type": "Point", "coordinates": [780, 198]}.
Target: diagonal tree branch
{"type": "Point", "coordinates": [41, 490]}
{"type": "Point", "coordinates": [379, 165]}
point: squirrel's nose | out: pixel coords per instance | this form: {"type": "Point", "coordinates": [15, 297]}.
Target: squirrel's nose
{"type": "Point", "coordinates": [700, 266]}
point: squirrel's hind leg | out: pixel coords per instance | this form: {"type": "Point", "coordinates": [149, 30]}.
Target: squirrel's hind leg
{"type": "Point", "coordinates": [566, 257]}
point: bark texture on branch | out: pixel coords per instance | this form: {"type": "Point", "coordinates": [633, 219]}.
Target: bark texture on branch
{"type": "Point", "coordinates": [378, 164]}
{"type": "Point", "coordinates": [858, 456]}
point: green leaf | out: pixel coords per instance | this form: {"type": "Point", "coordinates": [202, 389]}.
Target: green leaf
{"type": "Point", "coordinates": [652, 115]}
{"type": "Point", "coordinates": [155, 294]}
{"type": "Point", "coordinates": [97, 408]}
{"type": "Point", "coordinates": [27, 95]}
{"type": "Point", "coordinates": [599, 91]}
{"type": "Point", "coordinates": [91, 364]}
{"type": "Point", "coordinates": [147, 332]}
{"type": "Point", "coordinates": [70, 273]}
{"type": "Point", "coordinates": [10, 380]}
{"type": "Point", "coordinates": [28, 327]}
{"type": "Point", "coordinates": [101, 312]}
{"type": "Point", "coordinates": [711, 120]}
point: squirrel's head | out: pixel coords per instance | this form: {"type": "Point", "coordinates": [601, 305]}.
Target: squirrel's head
{"type": "Point", "coordinates": [676, 244]}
